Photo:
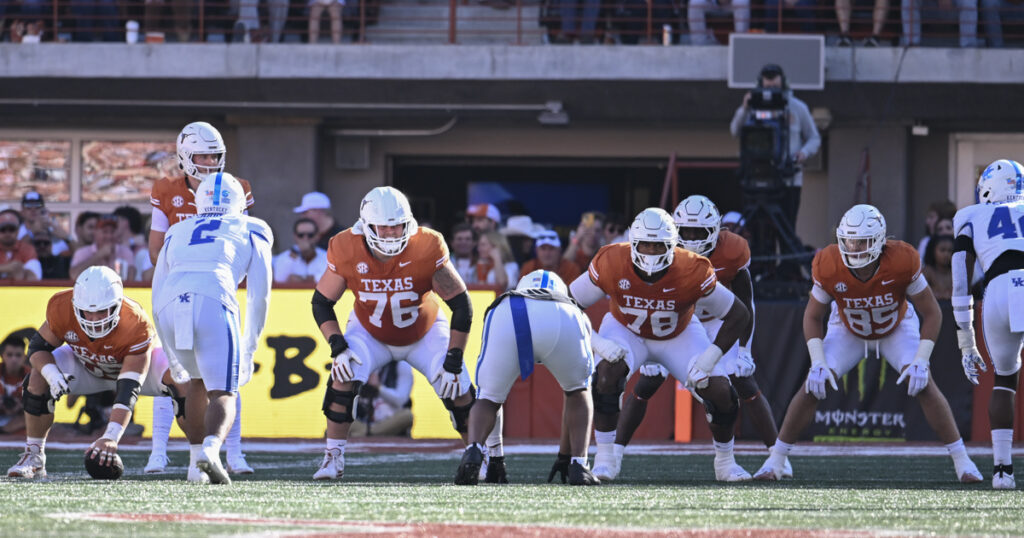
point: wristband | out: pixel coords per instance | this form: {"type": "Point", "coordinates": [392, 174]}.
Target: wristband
{"type": "Point", "coordinates": [817, 350]}
{"type": "Point", "coordinates": [338, 344]}
{"type": "Point", "coordinates": [453, 361]}
{"type": "Point", "coordinates": [965, 338]}
{"type": "Point", "coordinates": [924, 350]}
{"type": "Point", "coordinates": [114, 432]}
{"type": "Point", "coordinates": [708, 358]}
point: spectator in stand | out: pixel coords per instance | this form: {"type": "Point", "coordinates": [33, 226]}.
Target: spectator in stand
{"type": "Point", "coordinates": [964, 11]}
{"type": "Point", "coordinates": [316, 206]}
{"type": "Point", "coordinates": [304, 263]}
{"type": "Point", "coordinates": [579, 20]}
{"type": "Point", "coordinates": [937, 211]}
{"type": "Point", "coordinates": [129, 228]}
{"type": "Point", "coordinates": [54, 267]}
{"type": "Point", "coordinates": [587, 239]}
{"type": "Point", "coordinates": [615, 227]}
{"type": "Point", "coordinates": [994, 12]}
{"type": "Point", "coordinates": [96, 20]}
{"type": "Point", "coordinates": [792, 10]}
{"type": "Point", "coordinates": [384, 406]}
{"type": "Point", "coordinates": [104, 251]}
{"type": "Point", "coordinates": [520, 231]}
{"type": "Point", "coordinates": [27, 32]}
{"type": "Point", "coordinates": [495, 265]}
{"type": "Point", "coordinates": [17, 257]}
{"type": "Point", "coordinates": [549, 257]}
{"type": "Point", "coordinates": [844, 9]}
{"type": "Point", "coordinates": [695, 18]}
{"type": "Point", "coordinates": [483, 218]}
{"type": "Point", "coordinates": [85, 229]}
{"type": "Point", "coordinates": [938, 266]}
{"type": "Point", "coordinates": [36, 217]}
{"type": "Point", "coordinates": [143, 263]}
{"type": "Point", "coordinates": [13, 370]}
{"type": "Point", "coordinates": [316, 11]}
{"type": "Point", "coordinates": [463, 248]}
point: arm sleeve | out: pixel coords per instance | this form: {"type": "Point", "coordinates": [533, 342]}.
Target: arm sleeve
{"type": "Point", "coordinates": [258, 285]}
{"type": "Point", "coordinates": [159, 275]}
{"type": "Point", "coordinates": [398, 395]}
{"type": "Point", "coordinates": [159, 222]}
{"type": "Point", "coordinates": [963, 302]}
{"type": "Point", "coordinates": [585, 291]}
{"type": "Point", "coordinates": [820, 294]}
{"type": "Point", "coordinates": [718, 302]}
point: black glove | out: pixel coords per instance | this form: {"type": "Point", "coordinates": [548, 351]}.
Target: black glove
{"type": "Point", "coordinates": [338, 344]}
{"type": "Point", "coordinates": [561, 467]}
{"type": "Point", "coordinates": [368, 391]}
{"type": "Point", "coordinates": [453, 361]}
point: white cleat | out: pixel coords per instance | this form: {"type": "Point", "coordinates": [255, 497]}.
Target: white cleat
{"type": "Point", "coordinates": [32, 464]}
{"type": "Point", "coordinates": [767, 472]}
{"type": "Point", "coordinates": [238, 465]}
{"type": "Point", "coordinates": [482, 475]}
{"type": "Point", "coordinates": [608, 462]}
{"type": "Point", "coordinates": [333, 466]}
{"type": "Point", "coordinates": [968, 473]}
{"type": "Point", "coordinates": [157, 464]}
{"type": "Point", "coordinates": [208, 461]}
{"type": "Point", "coordinates": [198, 476]}
{"type": "Point", "coordinates": [1002, 477]}
{"type": "Point", "coordinates": [787, 469]}
{"type": "Point", "coordinates": [727, 470]}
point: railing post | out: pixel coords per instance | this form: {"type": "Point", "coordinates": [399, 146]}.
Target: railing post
{"type": "Point", "coordinates": [452, 7]}
{"type": "Point", "coordinates": [650, 22]}
{"type": "Point", "coordinates": [519, 22]}
{"type": "Point", "coordinates": [202, 20]}
{"type": "Point", "coordinates": [362, 20]}
{"type": "Point", "coordinates": [54, 3]}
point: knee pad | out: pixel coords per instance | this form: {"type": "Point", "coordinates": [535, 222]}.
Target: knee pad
{"type": "Point", "coordinates": [1007, 382]}
{"type": "Point", "coordinates": [341, 397]}
{"type": "Point", "coordinates": [607, 402]}
{"type": "Point", "coordinates": [177, 400]}
{"type": "Point", "coordinates": [746, 388]}
{"type": "Point", "coordinates": [37, 405]}
{"type": "Point", "coordinates": [647, 386]}
{"type": "Point", "coordinates": [460, 413]}
{"type": "Point", "coordinates": [723, 417]}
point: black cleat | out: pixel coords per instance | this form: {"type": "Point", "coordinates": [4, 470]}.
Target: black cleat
{"type": "Point", "coordinates": [496, 471]}
{"type": "Point", "coordinates": [581, 476]}
{"type": "Point", "coordinates": [469, 467]}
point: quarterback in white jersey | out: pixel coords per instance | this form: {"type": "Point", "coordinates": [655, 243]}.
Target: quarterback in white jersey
{"type": "Point", "coordinates": [993, 232]}
{"type": "Point", "coordinates": [197, 274]}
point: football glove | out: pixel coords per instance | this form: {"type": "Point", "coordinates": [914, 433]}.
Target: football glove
{"type": "Point", "coordinates": [448, 377]}
{"type": "Point", "coordinates": [700, 372]}
{"type": "Point", "coordinates": [745, 363]}
{"type": "Point", "coordinates": [607, 349]}
{"type": "Point", "coordinates": [343, 371]}
{"type": "Point", "coordinates": [971, 360]}
{"type": "Point", "coordinates": [917, 372]}
{"type": "Point", "coordinates": [820, 373]}
{"type": "Point", "coordinates": [57, 380]}
{"type": "Point", "coordinates": [561, 467]}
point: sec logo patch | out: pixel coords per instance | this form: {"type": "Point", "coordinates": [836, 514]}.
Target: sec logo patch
{"type": "Point", "coordinates": [362, 268]}
{"type": "Point", "coordinates": [624, 284]}
{"type": "Point", "coordinates": [840, 287]}
{"type": "Point", "coordinates": [177, 201]}
{"type": "Point", "coordinates": [70, 337]}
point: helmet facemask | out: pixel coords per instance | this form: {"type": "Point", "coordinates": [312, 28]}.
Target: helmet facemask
{"type": "Point", "coordinates": [98, 289]}
{"type": "Point", "coordinates": [653, 225]}
{"type": "Point", "coordinates": [698, 218]}
{"type": "Point", "coordinates": [200, 138]}
{"type": "Point", "coordinates": [861, 236]}
{"type": "Point", "coordinates": [386, 206]}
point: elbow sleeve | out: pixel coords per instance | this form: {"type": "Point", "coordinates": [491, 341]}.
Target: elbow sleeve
{"type": "Point", "coordinates": [323, 308]}
{"type": "Point", "coordinates": [462, 311]}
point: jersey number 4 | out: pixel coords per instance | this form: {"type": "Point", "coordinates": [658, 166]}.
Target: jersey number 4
{"type": "Point", "coordinates": [401, 316]}
{"type": "Point", "coordinates": [1001, 224]}
{"type": "Point", "coordinates": [198, 234]}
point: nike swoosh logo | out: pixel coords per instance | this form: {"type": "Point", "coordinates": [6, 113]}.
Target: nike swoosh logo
{"type": "Point", "coordinates": [717, 269]}
{"type": "Point", "coordinates": [108, 347]}
{"type": "Point", "coordinates": [403, 264]}
{"type": "Point", "coordinates": [666, 290]}
{"type": "Point", "coordinates": [887, 282]}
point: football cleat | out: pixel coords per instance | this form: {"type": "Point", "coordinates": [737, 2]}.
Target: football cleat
{"type": "Point", "coordinates": [32, 464]}
{"type": "Point", "coordinates": [238, 465]}
{"type": "Point", "coordinates": [198, 476]}
{"type": "Point", "coordinates": [787, 469]}
{"type": "Point", "coordinates": [727, 470]}
{"type": "Point", "coordinates": [1002, 477]}
{"type": "Point", "coordinates": [581, 476]}
{"type": "Point", "coordinates": [157, 464]}
{"type": "Point", "coordinates": [332, 467]}
{"type": "Point", "coordinates": [482, 475]}
{"type": "Point", "coordinates": [608, 461]}
{"type": "Point", "coordinates": [767, 472]}
{"type": "Point", "coordinates": [496, 471]}
{"type": "Point", "coordinates": [468, 473]}
{"type": "Point", "coordinates": [968, 472]}
{"type": "Point", "coordinates": [208, 461]}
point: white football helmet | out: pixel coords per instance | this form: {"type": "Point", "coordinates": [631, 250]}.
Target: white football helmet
{"type": "Point", "coordinates": [1000, 182]}
{"type": "Point", "coordinates": [653, 225]}
{"type": "Point", "coordinates": [98, 289]}
{"type": "Point", "coordinates": [200, 138]}
{"type": "Point", "coordinates": [544, 280]}
{"type": "Point", "coordinates": [862, 222]}
{"type": "Point", "coordinates": [220, 194]}
{"type": "Point", "coordinates": [697, 211]}
{"type": "Point", "coordinates": [386, 206]}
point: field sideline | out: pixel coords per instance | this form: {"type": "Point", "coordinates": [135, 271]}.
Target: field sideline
{"type": "Point", "coordinates": [405, 489]}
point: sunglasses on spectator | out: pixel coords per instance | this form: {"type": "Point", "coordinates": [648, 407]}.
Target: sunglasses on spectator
{"type": "Point", "coordinates": [7, 228]}
{"type": "Point", "coordinates": [42, 242]}
{"type": "Point", "coordinates": [305, 235]}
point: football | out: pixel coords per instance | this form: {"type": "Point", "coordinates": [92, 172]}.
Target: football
{"type": "Point", "coordinates": [103, 472]}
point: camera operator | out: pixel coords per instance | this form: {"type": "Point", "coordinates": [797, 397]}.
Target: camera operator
{"type": "Point", "coordinates": [803, 135]}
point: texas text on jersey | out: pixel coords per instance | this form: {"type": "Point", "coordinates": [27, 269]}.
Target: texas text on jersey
{"type": "Point", "coordinates": [174, 198]}
{"type": "Point", "coordinates": [659, 310]}
{"type": "Point", "coordinates": [874, 308]}
{"type": "Point", "coordinates": [103, 356]}
{"type": "Point", "coordinates": [394, 299]}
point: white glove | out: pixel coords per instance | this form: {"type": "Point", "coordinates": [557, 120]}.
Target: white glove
{"type": "Point", "coordinates": [700, 371]}
{"type": "Point", "coordinates": [745, 363]}
{"type": "Point", "coordinates": [971, 359]}
{"type": "Point", "coordinates": [917, 371]}
{"type": "Point", "coordinates": [57, 380]}
{"type": "Point", "coordinates": [820, 372]}
{"type": "Point", "coordinates": [607, 349]}
{"type": "Point", "coordinates": [449, 384]}
{"type": "Point", "coordinates": [696, 379]}
{"type": "Point", "coordinates": [342, 371]}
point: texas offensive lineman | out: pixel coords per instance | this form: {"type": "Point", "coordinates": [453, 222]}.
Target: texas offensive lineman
{"type": "Point", "coordinates": [396, 270]}
{"type": "Point", "coordinates": [655, 288]}
{"type": "Point", "coordinates": [94, 339]}
{"type": "Point", "coordinates": [992, 231]}
{"type": "Point", "coordinates": [869, 281]}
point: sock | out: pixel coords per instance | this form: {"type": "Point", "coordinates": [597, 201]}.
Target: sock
{"type": "Point", "coordinates": [212, 441]}
{"type": "Point", "coordinates": [723, 451]}
{"type": "Point", "coordinates": [1001, 441]}
{"type": "Point", "coordinates": [163, 417]}
{"type": "Point", "coordinates": [38, 441]}
{"type": "Point", "coordinates": [604, 438]}
{"type": "Point", "coordinates": [581, 461]}
{"type": "Point", "coordinates": [494, 442]}
{"type": "Point", "coordinates": [779, 452]}
{"type": "Point", "coordinates": [233, 443]}
{"type": "Point", "coordinates": [193, 453]}
{"type": "Point", "coordinates": [336, 444]}
{"type": "Point", "coordinates": [957, 450]}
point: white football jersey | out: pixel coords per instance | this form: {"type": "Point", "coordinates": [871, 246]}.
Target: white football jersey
{"type": "Point", "coordinates": [994, 229]}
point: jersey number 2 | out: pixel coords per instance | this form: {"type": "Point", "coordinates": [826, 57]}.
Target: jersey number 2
{"type": "Point", "coordinates": [198, 237]}
{"type": "Point", "coordinates": [1001, 224]}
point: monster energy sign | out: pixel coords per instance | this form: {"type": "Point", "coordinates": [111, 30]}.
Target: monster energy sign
{"type": "Point", "coordinates": [867, 407]}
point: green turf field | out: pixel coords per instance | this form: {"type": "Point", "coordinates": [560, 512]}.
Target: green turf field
{"type": "Point", "coordinates": [875, 494]}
